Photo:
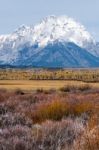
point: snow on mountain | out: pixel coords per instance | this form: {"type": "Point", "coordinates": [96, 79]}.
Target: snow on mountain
{"type": "Point", "coordinates": [34, 39]}
{"type": "Point", "coordinates": [49, 30]}
{"type": "Point", "coordinates": [61, 28]}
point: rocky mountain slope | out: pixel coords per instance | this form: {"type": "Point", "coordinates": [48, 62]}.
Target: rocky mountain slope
{"type": "Point", "coordinates": [55, 42]}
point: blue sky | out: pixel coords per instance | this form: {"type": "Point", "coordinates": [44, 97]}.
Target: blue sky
{"type": "Point", "coordinates": [14, 13]}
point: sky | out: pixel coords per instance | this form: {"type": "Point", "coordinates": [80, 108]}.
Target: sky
{"type": "Point", "coordinates": [14, 13]}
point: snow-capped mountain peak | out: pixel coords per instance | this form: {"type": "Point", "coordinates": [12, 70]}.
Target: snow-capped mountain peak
{"type": "Point", "coordinates": [50, 29]}
{"type": "Point", "coordinates": [23, 30]}
{"type": "Point", "coordinates": [28, 42]}
{"type": "Point", "coordinates": [55, 28]}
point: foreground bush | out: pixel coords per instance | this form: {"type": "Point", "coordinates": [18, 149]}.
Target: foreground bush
{"type": "Point", "coordinates": [48, 136]}
{"type": "Point", "coordinates": [89, 140]}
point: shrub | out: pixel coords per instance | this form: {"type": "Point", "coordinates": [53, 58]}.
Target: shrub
{"type": "Point", "coordinates": [2, 98]}
{"type": "Point", "coordinates": [19, 92]}
{"type": "Point", "coordinates": [89, 140]}
{"type": "Point", "coordinates": [73, 88]}
{"type": "Point", "coordinates": [60, 135]}
{"type": "Point", "coordinates": [40, 90]}
{"type": "Point", "coordinates": [65, 88]}
{"type": "Point", "coordinates": [47, 136]}
{"type": "Point", "coordinates": [84, 87]}
{"type": "Point", "coordinates": [93, 121]}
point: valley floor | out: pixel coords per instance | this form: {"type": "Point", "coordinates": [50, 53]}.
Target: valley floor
{"type": "Point", "coordinates": [42, 84]}
{"type": "Point", "coordinates": [38, 114]}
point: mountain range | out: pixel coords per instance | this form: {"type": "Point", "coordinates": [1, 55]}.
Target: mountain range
{"type": "Point", "coordinates": [56, 42]}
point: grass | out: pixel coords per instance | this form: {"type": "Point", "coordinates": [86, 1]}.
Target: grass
{"type": "Point", "coordinates": [57, 109]}
{"type": "Point", "coordinates": [43, 84]}
{"type": "Point", "coordinates": [54, 110]}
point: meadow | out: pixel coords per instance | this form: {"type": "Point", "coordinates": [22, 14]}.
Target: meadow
{"type": "Point", "coordinates": [49, 114]}
{"type": "Point", "coordinates": [32, 79]}
{"type": "Point", "coordinates": [31, 85]}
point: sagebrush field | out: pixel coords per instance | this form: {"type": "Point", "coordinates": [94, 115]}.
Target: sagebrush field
{"type": "Point", "coordinates": [49, 114]}
{"type": "Point", "coordinates": [64, 119]}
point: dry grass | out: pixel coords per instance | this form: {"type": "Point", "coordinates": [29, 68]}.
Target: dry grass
{"type": "Point", "coordinates": [54, 110]}
{"type": "Point", "coordinates": [35, 84]}
{"type": "Point", "coordinates": [43, 84]}
{"type": "Point", "coordinates": [58, 109]}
